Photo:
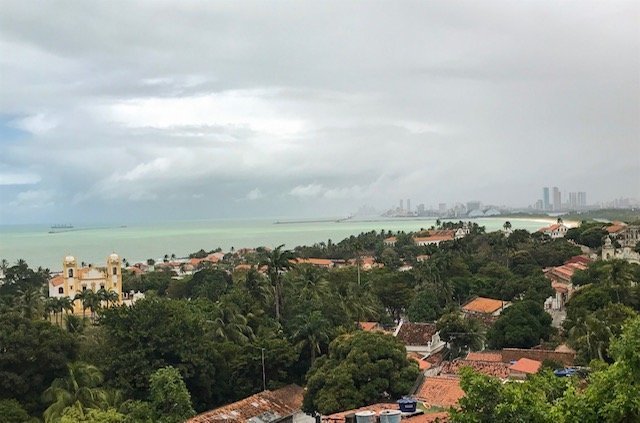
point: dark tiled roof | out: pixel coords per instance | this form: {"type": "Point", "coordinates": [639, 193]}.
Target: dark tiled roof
{"type": "Point", "coordinates": [416, 334]}
{"type": "Point", "coordinates": [267, 406]}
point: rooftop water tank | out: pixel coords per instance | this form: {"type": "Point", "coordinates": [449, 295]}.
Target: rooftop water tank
{"type": "Point", "coordinates": [407, 405]}
{"type": "Point", "coordinates": [366, 416]}
{"type": "Point", "coordinates": [390, 416]}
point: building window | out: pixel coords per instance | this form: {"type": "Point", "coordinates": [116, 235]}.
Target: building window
{"type": "Point", "coordinates": [70, 273]}
{"type": "Point", "coordinates": [84, 288]}
{"type": "Point", "coordinates": [101, 286]}
{"type": "Point", "coordinates": [115, 270]}
{"type": "Point", "coordinates": [61, 290]}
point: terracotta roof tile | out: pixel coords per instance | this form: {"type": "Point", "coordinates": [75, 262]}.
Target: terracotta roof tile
{"type": "Point", "coordinates": [369, 326]}
{"type": "Point", "coordinates": [440, 417]}
{"type": "Point", "coordinates": [57, 280]}
{"type": "Point", "coordinates": [483, 305]}
{"type": "Point", "coordinates": [416, 334]}
{"type": "Point", "coordinates": [499, 370]}
{"type": "Point", "coordinates": [282, 402]}
{"type": "Point", "coordinates": [440, 391]}
{"type": "Point", "coordinates": [315, 261]}
{"type": "Point", "coordinates": [485, 356]}
{"type": "Point", "coordinates": [422, 363]}
{"type": "Point", "coordinates": [525, 365]}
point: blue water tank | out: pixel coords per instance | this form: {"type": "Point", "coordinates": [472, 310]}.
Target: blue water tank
{"type": "Point", "coordinates": [407, 405]}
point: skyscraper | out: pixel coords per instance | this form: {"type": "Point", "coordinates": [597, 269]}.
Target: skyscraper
{"type": "Point", "coordinates": [582, 199]}
{"type": "Point", "coordinates": [573, 200]}
{"type": "Point", "coordinates": [545, 198]}
{"type": "Point", "coordinates": [401, 205]}
{"type": "Point", "coordinates": [557, 199]}
{"type": "Point", "coordinates": [409, 204]}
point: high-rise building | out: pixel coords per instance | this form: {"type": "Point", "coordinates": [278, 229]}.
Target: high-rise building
{"type": "Point", "coordinates": [539, 205]}
{"type": "Point", "coordinates": [401, 205]}
{"type": "Point", "coordinates": [408, 204]}
{"type": "Point", "coordinates": [473, 205]}
{"type": "Point", "coordinates": [582, 199]}
{"type": "Point", "coordinates": [545, 198]}
{"type": "Point", "coordinates": [420, 209]}
{"type": "Point", "coordinates": [557, 199]}
{"type": "Point", "coordinates": [442, 208]}
{"type": "Point", "coordinates": [573, 200]}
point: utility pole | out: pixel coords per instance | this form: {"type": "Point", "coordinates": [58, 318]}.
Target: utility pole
{"type": "Point", "coordinates": [264, 379]}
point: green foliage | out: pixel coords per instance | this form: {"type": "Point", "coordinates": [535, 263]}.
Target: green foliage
{"type": "Point", "coordinates": [79, 389]}
{"type": "Point", "coordinates": [156, 333]}
{"type": "Point", "coordinates": [169, 396]}
{"type": "Point", "coordinates": [424, 307]}
{"type": "Point", "coordinates": [12, 412]}
{"type": "Point", "coordinates": [78, 415]}
{"type": "Point", "coordinates": [360, 368]}
{"type": "Point", "coordinates": [462, 334]}
{"type": "Point", "coordinates": [33, 354]}
{"type": "Point", "coordinates": [523, 325]}
{"type": "Point", "coordinates": [137, 411]}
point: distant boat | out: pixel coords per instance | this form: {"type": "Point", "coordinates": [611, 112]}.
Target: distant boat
{"type": "Point", "coordinates": [60, 228]}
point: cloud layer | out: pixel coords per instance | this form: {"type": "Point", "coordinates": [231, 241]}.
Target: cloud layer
{"type": "Point", "coordinates": [159, 110]}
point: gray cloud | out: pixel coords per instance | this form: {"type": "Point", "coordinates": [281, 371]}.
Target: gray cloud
{"type": "Point", "coordinates": [156, 110]}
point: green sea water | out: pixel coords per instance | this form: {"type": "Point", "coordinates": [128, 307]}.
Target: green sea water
{"type": "Point", "coordinates": [92, 244]}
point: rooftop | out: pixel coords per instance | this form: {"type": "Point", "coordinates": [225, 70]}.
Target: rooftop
{"type": "Point", "coordinates": [489, 368]}
{"type": "Point", "coordinates": [266, 406]}
{"type": "Point", "coordinates": [441, 391]}
{"type": "Point", "coordinates": [526, 365]}
{"type": "Point", "coordinates": [485, 356]}
{"type": "Point", "coordinates": [416, 334]}
{"type": "Point", "coordinates": [484, 305]}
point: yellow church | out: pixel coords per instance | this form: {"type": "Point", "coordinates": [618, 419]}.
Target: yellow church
{"type": "Point", "coordinates": [76, 279]}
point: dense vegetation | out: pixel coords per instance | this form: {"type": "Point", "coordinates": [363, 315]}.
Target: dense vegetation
{"type": "Point", "coordinates": [201, 336]}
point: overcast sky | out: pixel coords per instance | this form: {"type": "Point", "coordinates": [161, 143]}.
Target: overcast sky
{"type": "Point", "coordinates": [129, 111]}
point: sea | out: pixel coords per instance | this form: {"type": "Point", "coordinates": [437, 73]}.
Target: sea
{"type": "Point", "coordinates": [93, 243]}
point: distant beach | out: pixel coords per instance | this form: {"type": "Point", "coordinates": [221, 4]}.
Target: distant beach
{"type": "Point", "coordinates": [93, 243]}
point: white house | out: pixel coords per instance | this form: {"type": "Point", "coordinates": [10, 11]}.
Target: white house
{"type": "Point", "coordinates": [422, 338]}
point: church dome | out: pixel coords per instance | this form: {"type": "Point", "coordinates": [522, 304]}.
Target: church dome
{"type": "Point", "coordinates": [69, 259]}
{"type": "Point", "coordinates": [114, 257]}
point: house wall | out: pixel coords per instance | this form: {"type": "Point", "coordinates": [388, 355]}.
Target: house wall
{"type": "Point", "coordinates": [514, 354]}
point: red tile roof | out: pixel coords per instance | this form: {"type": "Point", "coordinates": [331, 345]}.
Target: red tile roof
{"type": "Point", "coordinates": [485, 356]}
{"type": "Point", "coordinates": [369, 326]}
{"type": "Point", "coordinates": [525, 365]}
{"type": "Point", "coordinates": [615, 228]}
{"type": "Point", "coordinates": [484, 305]}
{"type": "Point", "coordinates": [433, 238]}
{"type": "Point", "coordinates": [440, 417]}
{"type": "Point", "coordinates": [315, 261]}
{"type": "Point", "coordinates": [440, 391]}
{"type": "Point", "coordinates": [422, 364]}
{"type": "Point", "coordinates": [489, 368]}
{"type": "Point", "coordinates": [416, 334]}
{"type": "Point", "coordinates": [57, 280]}
{"type": "Point", "coordinates": [283, 402]}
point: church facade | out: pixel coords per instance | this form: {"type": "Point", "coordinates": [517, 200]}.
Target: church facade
{"type": "Point", "coordinates": [75, 279]}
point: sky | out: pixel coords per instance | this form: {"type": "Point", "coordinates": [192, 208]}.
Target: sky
{"type": "Point", "coordinates": [152, 110]}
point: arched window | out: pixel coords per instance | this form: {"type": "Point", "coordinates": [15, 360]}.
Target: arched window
{"type": "Point", "coordinates": [70, 273]}
{"type": "Point", "coordinates": [115, 270]}
{"type": "Point", "coordinates": [61, 290]}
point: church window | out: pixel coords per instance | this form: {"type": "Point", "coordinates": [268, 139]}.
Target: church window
{"type": "Point", "coordinates": [84, 288]}
{"type": "Point", "coordinates": [70, 273]}
{"type": "Point", "coordinates": [101, 286]}
{"type": "Point", "coordinates": [61, 290]}
{"type": "Point", "coordinates": [115, 270]}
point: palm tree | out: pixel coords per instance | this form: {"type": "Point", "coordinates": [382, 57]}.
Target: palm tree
{"type": "Point", "coordinates": [80, 388]}
{"type": "Point", "coordinates": [311, 331]}
{"type": "Point", "coordinates": [29, 301]}
{"type": "Point", "coordinates": [277, 262]}
{"type": "Point", "coordinates": [230, 324]}
{"type": "Point", "coordinates": [256, 286]}
{"type": "Point", "coordinates": [65, 304]}
{"type": "Point", "coordinates": [85, 297]}
{"type": "Point", "coordinates": [313, 285]}
{"type": "Point", "coordinates": [619, 276]}
{"type": "Point", "coordinates": [51, 306]}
